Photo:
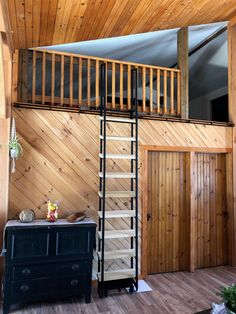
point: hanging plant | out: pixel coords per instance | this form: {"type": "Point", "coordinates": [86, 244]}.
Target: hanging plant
{"type": "Point", "coordinates": [15, 147]}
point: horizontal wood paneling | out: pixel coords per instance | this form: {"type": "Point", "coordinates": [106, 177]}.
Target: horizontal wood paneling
{"type": "Point", "coordinates": [40, 23]}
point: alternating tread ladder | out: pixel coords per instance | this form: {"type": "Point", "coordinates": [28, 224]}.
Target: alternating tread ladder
{"type": "Point", "coordinates": [120, 278]}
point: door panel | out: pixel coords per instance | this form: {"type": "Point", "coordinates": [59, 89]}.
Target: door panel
{"type": "Point", "coordinates": [211, 210]}
{"type": "Point", "coordinates": [168, 212]}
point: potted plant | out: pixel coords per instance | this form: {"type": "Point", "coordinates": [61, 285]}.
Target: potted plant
{"type": "Point", "coordinates": [229, 296]}
{"type": "Point", "coordinates": [15, 147]}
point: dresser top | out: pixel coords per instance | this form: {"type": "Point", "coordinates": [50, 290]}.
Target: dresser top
{"type": "Point", "coordinates": [43, 223]}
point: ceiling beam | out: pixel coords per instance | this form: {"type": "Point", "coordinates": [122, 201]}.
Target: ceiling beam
{"type": "Point", "coordinates": [203, 43]}
{"type": "Point", "coordinates": [182, 55]}
{"type": "Point", "coordinates": [199, 46]}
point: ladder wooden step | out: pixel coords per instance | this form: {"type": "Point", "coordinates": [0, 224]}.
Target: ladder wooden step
{"type": "Point", "coordinates": [117, 274]}
{"type": "Point", "coordinates": [118, 119]}
{"type": "Point", "coordinates": [118, 138]}
{"type": "Point", "coordinates": [117, 254]}
{"type": "Point", "coordinates": [117, 213]}
{"type": "Point", "coordinates": [117, 194]}
{"type": "Point", "coordinates": [116, 234]}
{"type": "Point", "coordinates": [117, 156]}
{"type": "Point", "coordinates": [118, 175]}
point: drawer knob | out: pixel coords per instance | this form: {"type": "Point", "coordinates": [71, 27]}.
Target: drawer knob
{"type": "Point", "coordinates": [24, 288]}
{"type": "Point", "coordinates": [74, 282]}
{"type": "Point", "coordinates": [75, 267]}
{"type": "Point", "coordinates": [26, 271]}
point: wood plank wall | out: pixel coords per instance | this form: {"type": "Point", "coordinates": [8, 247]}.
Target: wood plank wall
{"type": "Point", "coordinates": [211, 210]}
{"type": "Point", "coordinates": [44, 23]}
{"type": "Point", "coordinates": [60, 160]}
{"type": "Point", "coordinates": [168, 225]}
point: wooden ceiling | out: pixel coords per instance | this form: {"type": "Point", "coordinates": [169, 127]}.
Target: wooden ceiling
{"type": "Point", "coordinates": [49, 22]}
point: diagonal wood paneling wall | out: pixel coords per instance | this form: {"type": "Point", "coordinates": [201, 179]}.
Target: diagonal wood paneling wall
{"type": "Point", "coordinates": [60, 160]}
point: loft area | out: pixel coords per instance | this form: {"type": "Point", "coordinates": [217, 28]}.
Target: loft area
{"type": "Point", "coordinates": [207, 72]}
{"type": "Point", "coordinates": [208, 60]}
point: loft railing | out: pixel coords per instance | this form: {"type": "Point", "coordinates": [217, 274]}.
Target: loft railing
{"type": "Point", "coordinates": [70, 81]}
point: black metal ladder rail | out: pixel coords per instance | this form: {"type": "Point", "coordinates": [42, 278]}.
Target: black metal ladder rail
{"type": "Point", "coordinates": [102, 181]}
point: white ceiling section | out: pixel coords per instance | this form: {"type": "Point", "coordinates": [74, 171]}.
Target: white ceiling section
{"type": "Point", "coordinates": [208, 66]}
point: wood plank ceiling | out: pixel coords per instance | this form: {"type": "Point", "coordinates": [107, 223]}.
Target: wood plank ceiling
{"type": "Point", "coordinates": [49, 22]}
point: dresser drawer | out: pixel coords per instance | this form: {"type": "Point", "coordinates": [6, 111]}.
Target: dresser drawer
{"type": "Point", "coordinates": [36, 289]}
{"type": "Point", "coordinates": [27, 245]}
{"type": "Point", "coordinates": [51, 270]}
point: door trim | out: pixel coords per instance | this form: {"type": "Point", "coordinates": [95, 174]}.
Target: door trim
{"type": "Point", "coordinates": [145, 149]}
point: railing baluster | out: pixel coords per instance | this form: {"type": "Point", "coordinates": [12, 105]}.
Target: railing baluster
{"type": "Point", "coordinates": [97, 84]}
{"type": "Point", "coordinates": [43, 77]}
{"type": "Point", "coordinates": [151, 89]}
{"type": "Point", "coordinates": [172, 92]}
{"type": "Point", "coordinates": [88, 82]}
{"type": "Point", "coordinates": [129, 87]}
{"type": "Point", "coordinates": [71, 82]}
{"type": "Point", "coordinates": [178, 94]}
{"type": "Point", "coordinates": [113, 89]}
{"type": "Point", "coordinates": [53, 79]}
{"type": "Point", "coordinates": [158, 91]}
{"type": "Point", "coordinates": [165, 92]}
{"type": "Point", "coordinates": [121, 87]}
{"type": "Point", "coordinates": [62, 80]}
{"type": "Point", "coordinates": [144, 88]}
{"type": "Point", "coordinates": [80, 82]}
{"type": "Point", "coordinates": [24, 88]}
{"type": "Point", "coordinates": [34, 76]}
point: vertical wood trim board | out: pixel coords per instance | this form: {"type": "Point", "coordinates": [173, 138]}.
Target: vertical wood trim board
{"type": "Point", "coordinates": [5, 114]}
{"type": "Point", "coordinates": [232, 117]}
{"type": "Point", "coordinates": [192, 195]}
{"type": "Point", "coordinates": [182, 47]}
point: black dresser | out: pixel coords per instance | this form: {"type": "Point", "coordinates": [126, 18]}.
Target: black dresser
{"type": "Point", "coordinates": [47, 260]}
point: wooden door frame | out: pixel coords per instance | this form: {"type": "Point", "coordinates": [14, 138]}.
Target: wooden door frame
{"type": "Point", "coordinates": [145, 149]}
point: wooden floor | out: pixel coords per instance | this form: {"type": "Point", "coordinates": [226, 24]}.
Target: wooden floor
{"type": "Point", "coordinates": [179, 292]}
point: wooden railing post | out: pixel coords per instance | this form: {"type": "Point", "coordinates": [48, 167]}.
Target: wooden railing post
{"type": "Point", "coordinates": [158, 89]}
{"type": "Point", "coordinates": [80, 96]}
{"type": "Point", "coordinates": [15, 76]}
{"type": "Point", "coordinates": [53, 80]}
{"type": "Point", "coordinates": [182, 47]}
{"type": "Point", "coordinates": [71, 82]}
{"type": "Point", "coordinates": [129, 86]}
{"type": "Point", "coordinates": [113, 88]}
{"type": "Point", "coordinates": [22, 86]}
{"type": "Point", "coordinates": [121, 86]}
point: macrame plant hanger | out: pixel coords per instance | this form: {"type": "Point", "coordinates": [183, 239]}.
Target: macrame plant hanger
{"type": "Point", "coordinates": [12, 136]}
